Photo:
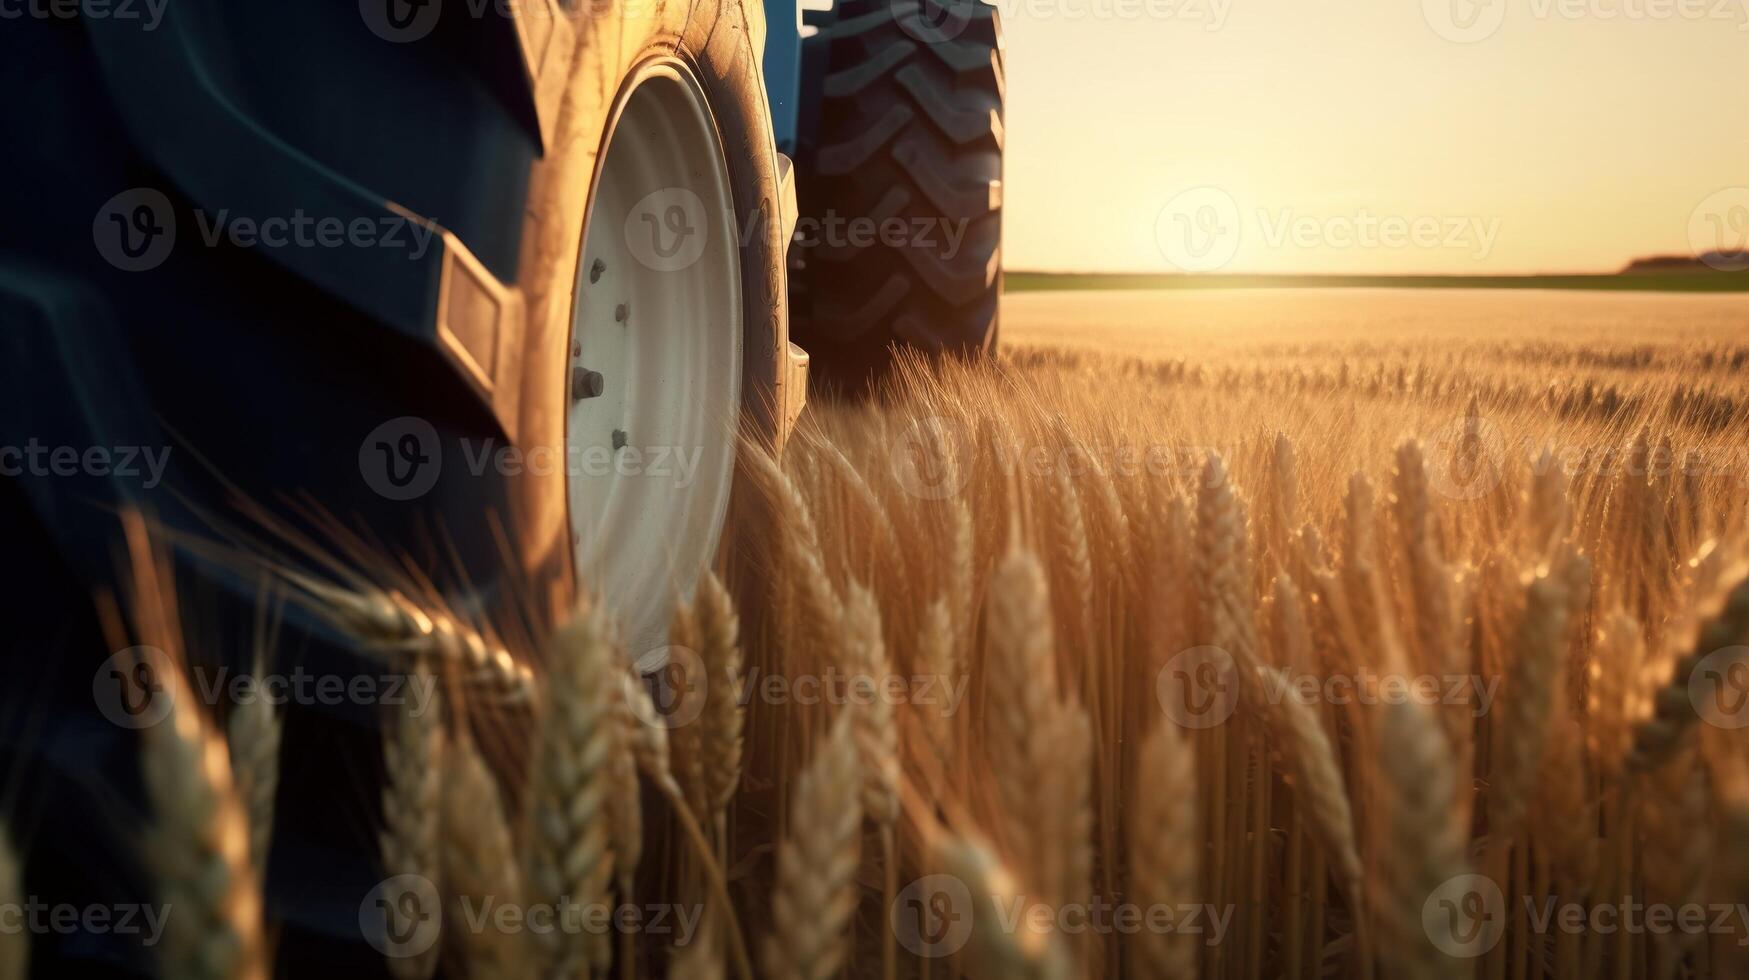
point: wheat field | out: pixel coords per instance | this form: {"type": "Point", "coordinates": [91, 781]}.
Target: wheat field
{"type": "Point", "coordinates": [1257, 652]}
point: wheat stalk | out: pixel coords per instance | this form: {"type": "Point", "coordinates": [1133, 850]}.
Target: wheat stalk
{"type": "Point", "coordinates": [14, 943]}
{"type": "Point", "coordinates": [1165, 863]}
{"type": "Point", "coordinates": [1423, 848]}
{"type": "Point", "coordinates": [1528, 701]}
{"type": "Point", "coordinates": [579, 730]}
{"type": "Point", "coordinates": [253, 733]}
{"type": "Point", "coordinates": [411, 838]}
{"type": "Point", "coordinates": [479, 857]}
{"type": "Point", "coordinates": [198, 848]}
{"type": "Point", "coordinates": [815, 894]}
{"type": "Point", "coordinates": [720, 650]}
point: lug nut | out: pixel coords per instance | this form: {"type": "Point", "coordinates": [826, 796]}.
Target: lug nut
{"type": "Point", "coordinates": [586, 384]}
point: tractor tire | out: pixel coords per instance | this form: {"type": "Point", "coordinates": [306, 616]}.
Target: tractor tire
{"type": "Point", "coordinates": [349, 393]}
{"type": "Point", "coordinates": [900, 239]}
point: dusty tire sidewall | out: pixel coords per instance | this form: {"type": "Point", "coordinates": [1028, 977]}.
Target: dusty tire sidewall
{"type": "Point", "coordinates": [713, 41]}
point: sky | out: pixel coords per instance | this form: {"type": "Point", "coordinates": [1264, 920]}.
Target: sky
{"type": "Point", "coordinates": [1390, 136]}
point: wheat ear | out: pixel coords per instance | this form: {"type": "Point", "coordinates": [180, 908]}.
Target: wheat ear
{"type": "Point", "coordinates": [1024, 953]}
{"type": "Point", "coordinates": [1424, 847]}
{"type": "Point", "coordinates": [412, 812]}
{"type": "Point", "coordinates": [720, 648]}
{"type": "Point", "coordinates": [815, 895]}
{"type": "Point", "coordinates": [625, 811]}
{"type": "Point", "coordinates": [1023, 702]}
{"type": "Point", "coordinates": [479, 857]}
{"type": "Point", "coordinates": [14, 943]}
{"type": "Point", "coordinates": [1657, 739]}
{"type": "Point", "coordinates": [391, 624]}
{"type": "Point", "coordinates": [877, 739]}
{"type": "Point", "coordinates": [198, 846]}
{"type": "Point", "coordinates": [579, 729]}
{"type": "Point", "coordinates": [1165, 863]}
{"type": "Point", "coordinates": [1677, 854]}
{"type": "Point", "coordinates": [1310, 759]}
{"type": "Point", "coordinates": [800, 545]}
{"type": "Point", "coordinates": [650, 749]}
{"type": "Point", "coordinates": [253, 733]}
{"type": "Point", "coordinates": [1529, 699]}
{"type": "Point", "coordinates": [937, 659]}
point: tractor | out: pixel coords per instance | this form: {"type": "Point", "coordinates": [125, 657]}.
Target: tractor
{"type": "Point", "coordinates": [494, 291]}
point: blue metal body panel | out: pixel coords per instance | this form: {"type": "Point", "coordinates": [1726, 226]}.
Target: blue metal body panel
{"type": "Point", "coordinates": [783, 69]}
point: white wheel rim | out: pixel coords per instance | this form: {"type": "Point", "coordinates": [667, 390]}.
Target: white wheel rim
{"type": "Point", "coordinates": [657, 314]}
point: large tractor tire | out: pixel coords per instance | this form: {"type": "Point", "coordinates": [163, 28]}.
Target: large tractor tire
{"type": "Point", "coordinates": [900, 242]}
{"type": "Point", "coordinates": [590, 226]}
